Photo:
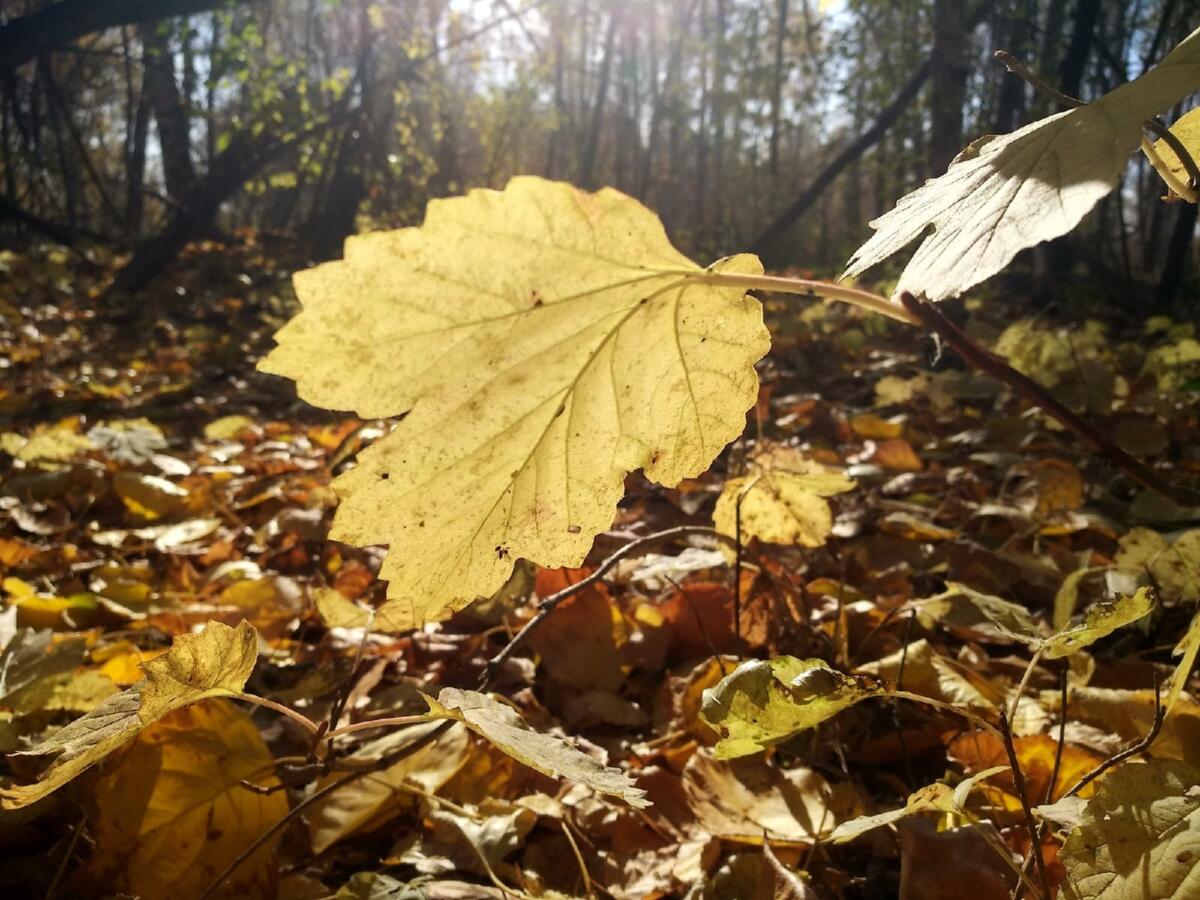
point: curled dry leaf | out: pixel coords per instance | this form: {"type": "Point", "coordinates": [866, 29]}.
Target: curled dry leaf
{"type": "Point", "coordinates": [212, 663]}
{"type": "Point", "coordinates": [765, 702]}
{"type": "Point", "coordinates": [523, 331]}
{"type": "Point", "coordinates": [1140, 836]}
{"type": "Point", "coordinates": [1008, 192]}
{"type": "Point", "coordinates": [1187, 130]}
{"type": "Point", "coordinates": [1187, 649]}
{"type": "Point", "coordinates": [503, 727]}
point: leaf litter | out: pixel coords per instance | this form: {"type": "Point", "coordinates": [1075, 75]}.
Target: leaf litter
{"type": "Point", "coordinates": [138, 508]}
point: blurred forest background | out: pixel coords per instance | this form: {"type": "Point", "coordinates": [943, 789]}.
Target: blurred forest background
{"type": "Point", "coordinates": [778, 126]}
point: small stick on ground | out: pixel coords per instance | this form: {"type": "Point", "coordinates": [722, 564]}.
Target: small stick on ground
{"type": "Point", "coordinates": [1023, 796]}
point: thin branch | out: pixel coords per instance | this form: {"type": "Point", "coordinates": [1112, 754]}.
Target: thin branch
{"type": "Point", "coordinates": [1016, 702]}
{"type": "Point", "coordinates": [1044, 828]}
{"type": "Point", "coordinates": [1023, 796]}
{"type": "Point", "coordinates": [545, 607]}
{"type": "Point", "coordinates": [978, 721]}
{"type": "Point", "coordinates": [936, 321]}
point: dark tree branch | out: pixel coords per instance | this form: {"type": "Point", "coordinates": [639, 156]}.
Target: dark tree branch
{"type": "Point", "coordinates": [61, 23]}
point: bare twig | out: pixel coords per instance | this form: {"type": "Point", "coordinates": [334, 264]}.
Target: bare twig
{"type": "Point", "coordinates": [1016, 701]}
{"type": "Point", "coordinates": [1023, 796]}
{"type": "Point", "coordinates": [545, 607]}
{"type": "Point", "coordinates": [1044, 827]}
{"type": "Point", "coordinates": [896, 720]}
{"type": "Point", "coordinates": [936, 321]}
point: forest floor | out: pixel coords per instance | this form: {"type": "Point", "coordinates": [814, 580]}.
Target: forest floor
{"type": "Point", "coordinates": [153, 481]}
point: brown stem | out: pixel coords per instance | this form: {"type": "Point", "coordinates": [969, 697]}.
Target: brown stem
{"type": "Point", "coordinates": [936, 321]}
{"type": "Point", "coordinates": [1023, 796]}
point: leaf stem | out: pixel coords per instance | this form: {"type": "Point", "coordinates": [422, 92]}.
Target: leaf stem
{"type": "Point", "coordinates": [393, 722]}
{"type": "Point", "coordinates": [807, 287]}
{"type": "Point", "coordinates": [304, 721]}
{"type": "Point", "coordinates": [936, 321]}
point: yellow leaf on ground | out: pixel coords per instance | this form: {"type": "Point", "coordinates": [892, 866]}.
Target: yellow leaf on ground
{"type": "Point", "coordinates": [544, 342]}
{"type": "Point", "coordinates": [148, 496]}
{"type": "Point", "coordinates": [1058, 487]}
{"type": "Point", "coordinates": [173, 813]}
{"type": "Point", "coordinates": [765, 702]}
{"type": "Point", "coordinates": [503, 727]}
{"type": "Point", "coordinates": [748, 800]}
{"type": "Point", "coordinates": [1173, 566]}
{"type": "Point", "coordinates": [936, 797]}
{"type": "Point", "coordinates": [212, 663]}
{"type": "Point", "coordinates": [782, 499]}
{"type": "Point", "coordinates": [1140, 836]}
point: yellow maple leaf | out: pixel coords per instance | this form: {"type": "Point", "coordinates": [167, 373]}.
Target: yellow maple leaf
{"type": "Point", "coordinates": [543, 342]}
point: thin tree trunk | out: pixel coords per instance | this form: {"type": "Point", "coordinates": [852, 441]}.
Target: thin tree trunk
{"type": "Point", "coordinates": [948, 83]}
{"type": "Point", "coordinates": [591, 146]}
{"type": "Point", "coordinates": [781, 19]}
{"type": "Point", "coordinates": [1179, 250]}
{"type": "Point", "coordinates": [170, 114]}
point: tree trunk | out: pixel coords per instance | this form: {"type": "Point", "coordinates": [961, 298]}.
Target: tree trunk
{"type": "Point", "coordinates": [591, 145]}
{"type": "Point", "coordinates": [777, 87]}
{"type": "Point", "coordinates": [170, 114]}
{"type": "Point", "coordinates": [1179, 250]}
{"type": "Point", "coordinates": [948, 83]}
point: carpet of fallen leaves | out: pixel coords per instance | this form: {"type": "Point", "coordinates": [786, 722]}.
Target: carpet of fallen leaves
{"type": "Point", "coordinates": [152, 481]}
